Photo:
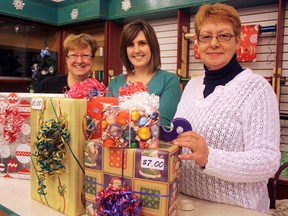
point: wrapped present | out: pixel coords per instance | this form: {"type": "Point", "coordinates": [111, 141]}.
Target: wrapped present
{"type": "Point", "coordinates": [134, 124]}
{"type": "Point", "coordinates": [95, 106]}
{"type": "Point", "coordinates": [151, 174]}
{"type": "Point", "coordinates": [94, 91]}
{"type": "Point", "coordinates": [15, 135]}
{"type": "Point", "coordinates": [57, 161]}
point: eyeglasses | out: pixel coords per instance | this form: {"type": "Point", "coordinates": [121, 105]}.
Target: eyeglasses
{"type": "Point", "coordinates": [83, 56]}
{"type": "Point", "coordinates": [220, 37]}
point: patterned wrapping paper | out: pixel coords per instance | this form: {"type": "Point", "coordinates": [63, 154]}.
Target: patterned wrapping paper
{"type": "Point", "coordinates": [95, 106]}
{"type": "Point", "coordinates": [248, 43]}
{"type": "Point", "coordinates": [15, 119]}
{"type": "Point", "coordinates": [64, 190]}
{"type": "Point", "coordinates": [99, 173]}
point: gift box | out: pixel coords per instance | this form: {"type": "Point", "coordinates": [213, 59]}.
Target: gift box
{"type": "Point", "coordinates": [152, 174]}
{"type": "Point", "coordinates": [57, 161]}
{"type": "Point", "coordinates": [135, 122]}
{"type": "Point", "coordinates": [15, 135]}
{"type": "Point", "coordinates": [95, 106]}
{"type": "Point", "coordinates": [130, 128]}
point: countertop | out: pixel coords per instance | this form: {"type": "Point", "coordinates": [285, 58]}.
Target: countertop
{"type": "Point", "coordinates": [15, 195]}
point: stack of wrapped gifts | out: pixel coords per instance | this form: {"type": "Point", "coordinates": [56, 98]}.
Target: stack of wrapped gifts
{"type": "Point", "coordinates": [102, 155]}
{"type": "Point", "coordinates": [128, 170]}
{"type": "Point", "coordinates": [59, 129]}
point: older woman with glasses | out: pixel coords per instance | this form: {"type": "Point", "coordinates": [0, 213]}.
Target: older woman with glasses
{"type": "Point", "coordinates": [234, 147]}
{"type": "Point", "coordinates": [79, 53]}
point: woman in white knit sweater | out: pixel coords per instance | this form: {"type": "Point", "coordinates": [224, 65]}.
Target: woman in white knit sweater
{"type": "Point", "coordinates": [234, 147]}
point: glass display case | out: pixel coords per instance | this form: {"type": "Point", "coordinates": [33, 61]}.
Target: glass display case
{"type": "Point", "coordinates": [25, 50]}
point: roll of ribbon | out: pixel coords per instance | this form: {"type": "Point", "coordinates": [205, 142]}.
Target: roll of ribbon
{"type": "Point", "coordinates": [178, 126]}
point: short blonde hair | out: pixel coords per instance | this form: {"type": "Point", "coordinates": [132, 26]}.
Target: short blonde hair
{"type": "Point", "coordinates": [81, 41]}
{"type": "Point", "coordinates": [217, 12]}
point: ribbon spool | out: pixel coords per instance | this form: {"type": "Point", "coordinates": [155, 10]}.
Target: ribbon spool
{"type": "Point", "coordinates": [178, 126]}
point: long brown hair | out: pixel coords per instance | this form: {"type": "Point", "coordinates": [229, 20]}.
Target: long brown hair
{"type": "Point", "coordinates": [129, 33]}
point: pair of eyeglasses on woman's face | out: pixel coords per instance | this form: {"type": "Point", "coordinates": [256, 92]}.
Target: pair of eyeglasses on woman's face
{"type": "Point", "coordinates": [220, 37]}
{"type": "Point", "coordinates": [76, 56]}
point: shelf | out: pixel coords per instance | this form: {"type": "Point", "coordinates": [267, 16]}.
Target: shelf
{"type": "Point", "coordinates": [284, 116]}
{"type": "Point", "coordinates": [9, 79]}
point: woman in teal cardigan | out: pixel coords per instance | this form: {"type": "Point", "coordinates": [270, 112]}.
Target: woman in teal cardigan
{"type": "Point", "coordinates": [140, 55]}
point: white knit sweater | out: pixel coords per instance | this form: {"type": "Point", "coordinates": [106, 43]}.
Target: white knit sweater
{"type": "Point", "coordinates": [240, 122]}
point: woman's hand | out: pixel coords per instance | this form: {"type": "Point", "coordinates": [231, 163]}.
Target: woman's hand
{"type": "Point", "coordinates": [197, 144]}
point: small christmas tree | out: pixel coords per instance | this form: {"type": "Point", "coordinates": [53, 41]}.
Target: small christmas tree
{"type": "Point", "coordinates": [45, 67]}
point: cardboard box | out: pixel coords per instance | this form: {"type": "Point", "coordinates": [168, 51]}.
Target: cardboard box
{"type": "Point", "coordinates": [154, 172]}
{"type": "Point", "coordinates": [63, 190]}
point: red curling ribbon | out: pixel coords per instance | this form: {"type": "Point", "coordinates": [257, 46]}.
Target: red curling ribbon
{"type": "Point", "coordinates": [118, 202]}
{"type": "Point", "coordinates": [12, 122]}
{"type": "Point", "coordinates": [88, 88]}
{"type": "Point", "coordinates": [131, 88]}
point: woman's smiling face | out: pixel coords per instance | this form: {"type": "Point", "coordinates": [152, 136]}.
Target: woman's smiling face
{"type": "Point", "coordinates": [214, 54]}
{"type": "Point", "coordinates": [139, 52]}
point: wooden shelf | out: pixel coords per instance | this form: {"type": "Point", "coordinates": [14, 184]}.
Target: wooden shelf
{"type": "Point", "coordinates": [14, 84]}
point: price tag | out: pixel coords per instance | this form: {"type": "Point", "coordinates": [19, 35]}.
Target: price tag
{"type": "Point", "coordinates": [152, 163]}
{"type": "Point", "coordinates": [37, 103]}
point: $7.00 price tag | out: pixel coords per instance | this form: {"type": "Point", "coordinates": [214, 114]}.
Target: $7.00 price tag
{"type": "Point", "coordinates": [36, 103]}
{"type": "Point", "coordinates": [152, 163]}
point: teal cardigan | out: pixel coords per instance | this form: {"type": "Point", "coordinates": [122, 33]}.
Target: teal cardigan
{"type": "Point", "coordinates": [164, 84]}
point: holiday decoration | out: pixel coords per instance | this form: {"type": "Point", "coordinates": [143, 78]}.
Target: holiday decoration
{"type": "Point", "coordinates": [126, 5]}
{"type": "Point", "coordinates": [74, 13]}
{"type": "Point", "coordinates": [18, 4]}
{"type": "Point", "coordinates": [45, 66]}
{"type": "Point", "coordinates": [150, 174]}
{"type": "Point", "coordinates": [57, 159]}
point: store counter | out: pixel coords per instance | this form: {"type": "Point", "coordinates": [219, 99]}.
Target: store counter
{"type": "Point", "coordinates": [206, 208]}
{"type": "Point", "coordinates": [15, 195]}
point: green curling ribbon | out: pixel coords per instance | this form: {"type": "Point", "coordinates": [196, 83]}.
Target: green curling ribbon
{"type": "Point", "coordinates": [50, 149]}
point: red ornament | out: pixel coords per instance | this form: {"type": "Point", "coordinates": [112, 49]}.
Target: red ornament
{"type": "Point", "coordinates": [12, 165]}
{"type": "Point", "coordinates": [12, 98]}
